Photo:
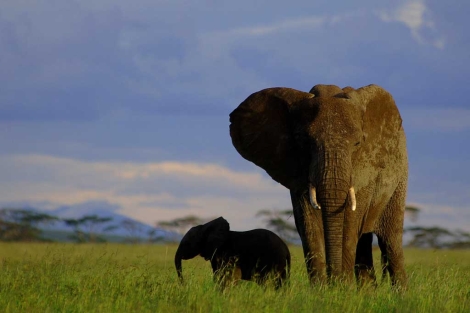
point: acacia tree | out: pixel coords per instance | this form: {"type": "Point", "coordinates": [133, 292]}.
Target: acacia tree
{"type": "Point", "coordinates": [430, 237]}
{"type": "Point", "coordinates": [280, 222]}
{"type": "Point", "coordinates": [133, 229]}
{"type": "Point", "coordinates": [434, 237]}
{"type": "Point", "coordinates": [462, 240]}
{"type": "Point", "coordinates": [85, 227]}
{"type": "Point", "coordinates": [412, 212]}
{"type": "Point", "coordinates": [182, 224]}
{"type": "Point", "coordinates": [153, 237]}
{"type": "Point", "coordinates": [438, 238]}
{"type": "Point", "coordinates": [23, 225]}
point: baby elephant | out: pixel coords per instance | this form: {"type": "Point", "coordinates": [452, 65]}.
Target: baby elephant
{"type": "Point", "coordinates": [252, 255]}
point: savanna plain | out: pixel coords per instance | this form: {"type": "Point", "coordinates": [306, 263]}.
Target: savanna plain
{"type": "Point", "coordinates": [141, 278]}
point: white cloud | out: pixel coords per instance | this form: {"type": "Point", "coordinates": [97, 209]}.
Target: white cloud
{"type": "Point", "coordinates": [417, 17]}
{"type": "Point", "coordinates": [287, 25]}
{"type": "Point", "coordinates": [147, 192]}
{"type": "Point", "coordinates": [150, 192]}
{"type": "Point", "coordinates": [309, 23]}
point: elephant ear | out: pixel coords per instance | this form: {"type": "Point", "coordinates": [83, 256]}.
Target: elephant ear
{"type": "Point", "coordinates": [215, 233]}
{"type": "Point", "coordinates": [381, 118]}
{"type": "Point", "coordinates": [376, 102]}
{"type": "Point", "coordinates": [261, 132]}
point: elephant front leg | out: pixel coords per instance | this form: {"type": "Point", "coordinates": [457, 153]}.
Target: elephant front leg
{"type": "Point", "coordinates": [226, 273]}
{"type": "Point", "coordinates": [364, 268]}
{"type": "Point", "coordinates": [310, 228]}
{"type": "Point", "coordinates": [390, 233]}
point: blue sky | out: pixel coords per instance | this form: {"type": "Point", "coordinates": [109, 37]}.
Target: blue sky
{"type": "Point", "coordinates": [127, 102]}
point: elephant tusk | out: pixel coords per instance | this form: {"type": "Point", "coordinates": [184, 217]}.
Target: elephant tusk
{"type": "Point", "coordinates": [313, 198]}
{"type": "Point", "coordinates": [352, 195]}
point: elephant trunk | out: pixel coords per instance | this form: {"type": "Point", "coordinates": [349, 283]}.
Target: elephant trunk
{"type": "Point", "coordinates": [333, 226]}
{"type": "Point", "coordinates": [332, 201]}
{"type": "Point", "coordinates": [179, 269]}
{"type": "Point", "coordinates": [330, 190]}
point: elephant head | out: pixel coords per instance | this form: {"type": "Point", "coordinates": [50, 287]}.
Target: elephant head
{"type": "Point", "coordinates": [203, 240]}
{"type": "Point", "coordinates": [308, 142]}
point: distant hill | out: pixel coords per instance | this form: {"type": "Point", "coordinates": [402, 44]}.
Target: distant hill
{"type": "Point", "coordinates": [126, 227]}
{"type": "Point", "coordinates": [66, 236]}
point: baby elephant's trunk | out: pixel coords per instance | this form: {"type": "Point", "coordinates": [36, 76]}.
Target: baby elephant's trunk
{"type": "Point", "coordinates": [178, 266]}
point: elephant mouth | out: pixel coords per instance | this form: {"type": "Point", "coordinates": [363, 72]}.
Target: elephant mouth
{"type": "Point", "coordinates": [314, 203]}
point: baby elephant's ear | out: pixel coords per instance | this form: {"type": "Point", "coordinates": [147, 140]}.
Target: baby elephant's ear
{"type": "Point", "coordinates": [261, 132]}
{"type": "Point", "coordinates": [216, 233]}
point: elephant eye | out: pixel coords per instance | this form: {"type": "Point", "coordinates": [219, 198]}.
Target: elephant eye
{"type": "Point", "coordinates": [357, 143]}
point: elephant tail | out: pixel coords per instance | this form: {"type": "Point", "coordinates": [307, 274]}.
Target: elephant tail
{"type": "Point", "coordinates": [288, 265]}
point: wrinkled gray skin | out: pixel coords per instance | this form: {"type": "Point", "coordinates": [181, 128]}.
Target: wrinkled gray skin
{"type": "Point", "coordinates": [342, 154]}
{"type": "Point", "coordinates": [250, 255]}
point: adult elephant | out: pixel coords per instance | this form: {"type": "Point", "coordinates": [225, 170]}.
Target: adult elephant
{"type": "Point", "coordinates": [342, 154]}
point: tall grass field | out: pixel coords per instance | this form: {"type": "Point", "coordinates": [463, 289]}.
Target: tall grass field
{"type": "Point", "coordinates": [142, 278]}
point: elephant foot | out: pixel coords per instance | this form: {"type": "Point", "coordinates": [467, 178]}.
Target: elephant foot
{"type": "Point", "coordinates": [365, 277]}
{"type": "Point", "coordinates": [399, 281]}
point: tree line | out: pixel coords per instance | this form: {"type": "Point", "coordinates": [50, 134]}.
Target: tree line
{"type": "Point", "coordinates": [28, 225]}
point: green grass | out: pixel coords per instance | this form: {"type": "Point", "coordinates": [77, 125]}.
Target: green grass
{"type": "Point", "coordinates": [142, 278]}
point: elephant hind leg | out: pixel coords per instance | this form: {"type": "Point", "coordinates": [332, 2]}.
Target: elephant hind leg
{"type": "Point", "coordinates": [364, 268]}
{"type": "Point", "coordinates": [278, 280]}
{"type": "Point", "coordinates": [390, 233]}
{"type": "Point", "coordinates": [226, 274]}
{"type": "Point", "coordinates": [383, 258]}
{"type": "Point", "coordinates": [281, 276]}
